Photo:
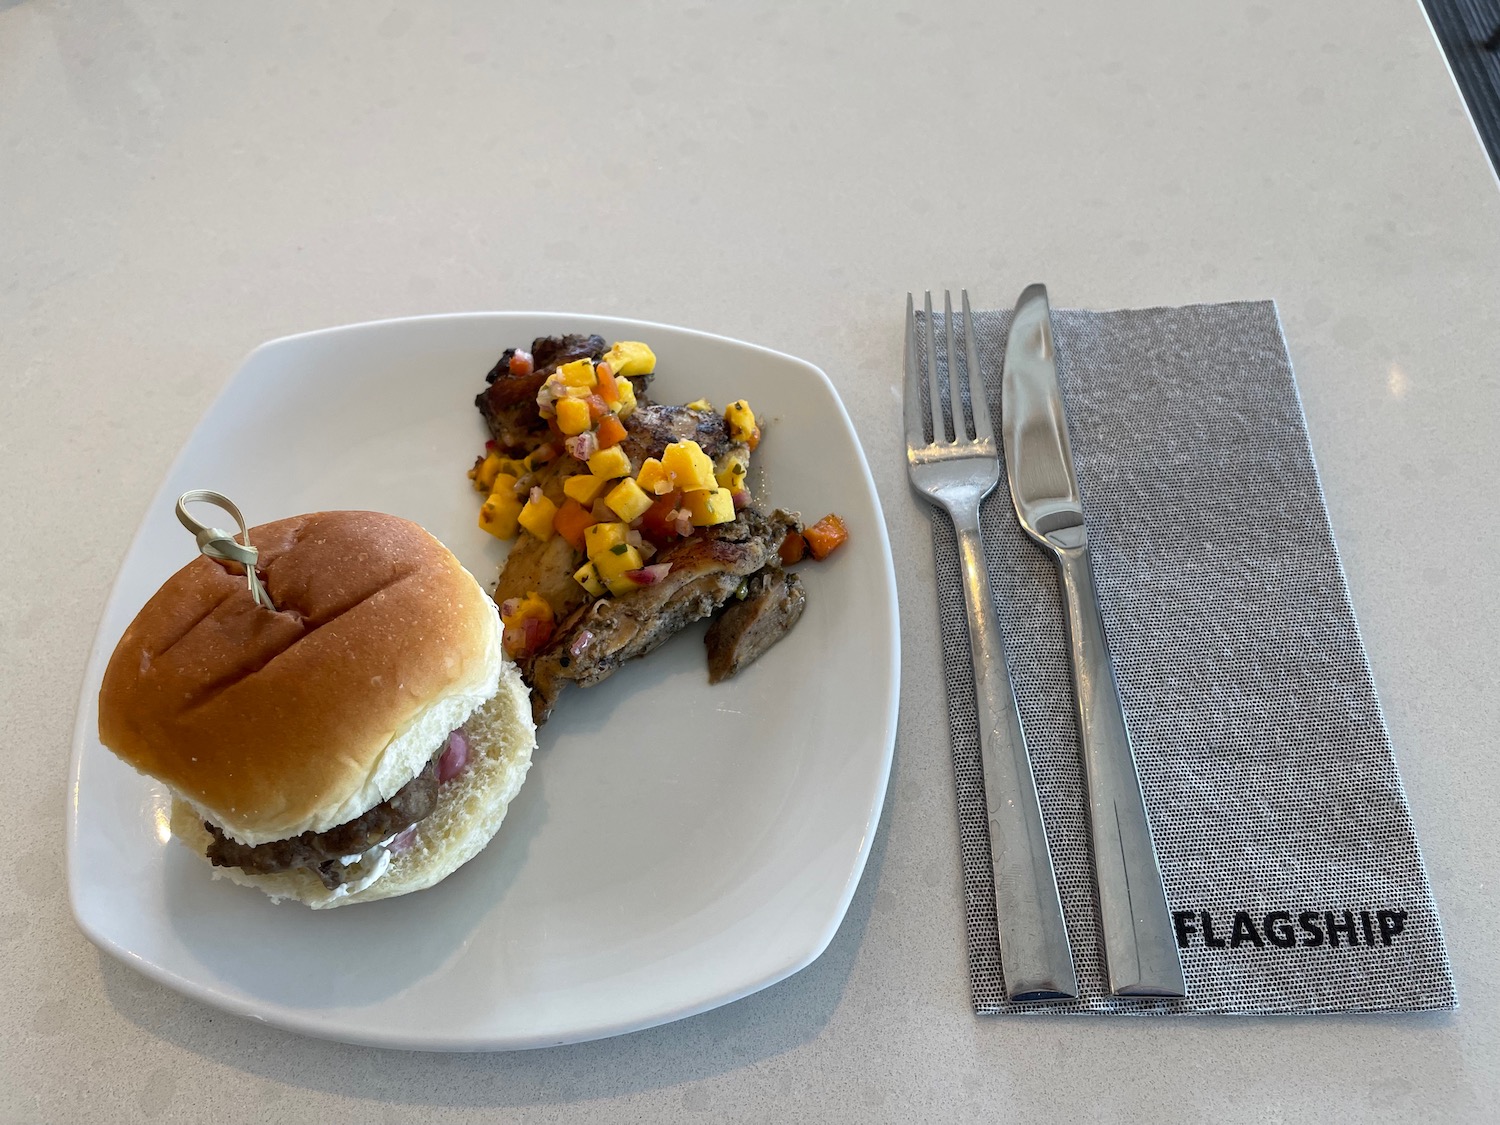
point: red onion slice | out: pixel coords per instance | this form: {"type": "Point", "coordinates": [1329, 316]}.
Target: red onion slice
{"type": "Point", "coordinates": [580, 642]}
{"type": "Point", "coordinates": [454, 758]}
{"type": "Point", "coordinates": [403, 841]}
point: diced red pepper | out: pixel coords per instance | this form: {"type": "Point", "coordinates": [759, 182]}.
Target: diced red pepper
{"type": "Point", "coordinates": [654, 524]}
{"type": "Point", "coordinates": [826, 536]}
{"type": "Point", "coordinates": [793, 547]}
{"type": "Point", "coordinates": [597, 409]}
{"type": "Point", "coordinates": [609, 390]}
{"type": "Point", "coordinates": [571, 521]}
{"type": "Point", "coordinates": [611, 432]}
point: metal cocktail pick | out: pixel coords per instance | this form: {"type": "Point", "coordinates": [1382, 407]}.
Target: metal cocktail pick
{"type": "Point", "coordinates": [222, 546]}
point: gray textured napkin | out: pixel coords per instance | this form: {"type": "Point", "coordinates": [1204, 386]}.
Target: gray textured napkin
{"type": "Point", "coordinates": [1287, 849]}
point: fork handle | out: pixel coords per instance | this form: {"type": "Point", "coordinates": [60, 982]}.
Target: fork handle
{"type": "Point", "coordinates": [1140, 949]}
{"type": "Point", "coordinates": [1035, 957]}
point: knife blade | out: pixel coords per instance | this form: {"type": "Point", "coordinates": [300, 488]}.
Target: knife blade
{"type": "Point", "coordinates": [1140, 948]}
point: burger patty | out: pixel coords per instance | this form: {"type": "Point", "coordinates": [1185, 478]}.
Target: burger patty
{"type": "Point", "coordinates": [321, 852]}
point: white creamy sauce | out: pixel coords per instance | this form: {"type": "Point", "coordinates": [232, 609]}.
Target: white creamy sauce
{"type": "Point", "coordinates": [373, 862]}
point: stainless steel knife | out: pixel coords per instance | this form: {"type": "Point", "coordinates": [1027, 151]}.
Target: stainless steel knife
{"type": "Point", "coordinates": [1139, 946]}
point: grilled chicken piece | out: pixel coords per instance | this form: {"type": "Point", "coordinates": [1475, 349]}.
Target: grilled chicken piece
{"type": "Point", "coordinates": [746, 628]}
{"type": "Point", "coordinates": [546, 568]}
{"type": "Point", "coordinates": [509, 402]}
{"type": "Point", "coordinates": [651, 428]}
{"type": "Point", "coordinates": [707, 569]}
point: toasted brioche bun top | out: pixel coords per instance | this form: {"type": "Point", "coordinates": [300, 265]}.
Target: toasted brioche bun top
{"type": "Point", "coordinates": [274, 723]}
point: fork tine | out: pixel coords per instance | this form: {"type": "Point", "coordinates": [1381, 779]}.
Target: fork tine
{"type": "Point", "coordinates": [977, 403]}
{"type": "Point", "coordinates": [955, 385]}
{"type": "Point", "coordinates": [912, 393]}
{"type": "Point", "coordinates": [939, 418]}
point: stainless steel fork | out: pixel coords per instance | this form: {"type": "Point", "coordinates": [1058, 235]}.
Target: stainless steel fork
{"type": "Point", "coordinates": [957, 473]}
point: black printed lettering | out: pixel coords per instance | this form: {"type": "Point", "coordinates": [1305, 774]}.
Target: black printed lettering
{"type": "Point", "coordinates": [1244, 932]}
{"type": "Point", "coordinates": [1345, 927]}
{"type": "Point", "coordinates": [1182, 922]}
{"type": "Point", "coordinates": [1369, 929]}
{"type": "Point", "coordinates": [1309, 920]}
{"type": "Point", "coordinates": [1392, 922]}
{"type": "Point", "coordinates": [1279, 932]}
{"type": "Point", "coordinates": [1208, 932]}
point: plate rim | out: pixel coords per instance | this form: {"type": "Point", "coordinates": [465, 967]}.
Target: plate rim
{"type": "Point", "coordinates": [308, 1023]}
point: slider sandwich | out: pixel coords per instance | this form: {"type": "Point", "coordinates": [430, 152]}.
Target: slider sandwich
{"type": "Point", "coordinates": [360, 740]}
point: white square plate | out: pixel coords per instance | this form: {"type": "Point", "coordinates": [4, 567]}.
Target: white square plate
{"type": "Point", "coordinates": [676, 846]}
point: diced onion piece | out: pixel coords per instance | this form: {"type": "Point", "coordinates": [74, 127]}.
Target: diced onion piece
{"type": "Point", "coordinates": [649, 575]}
{"type": "Point", "coordinates": [583, 446]}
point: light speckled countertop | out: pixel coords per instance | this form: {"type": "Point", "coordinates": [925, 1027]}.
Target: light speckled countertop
{"type": "Point", "coordinates": [181, 182]}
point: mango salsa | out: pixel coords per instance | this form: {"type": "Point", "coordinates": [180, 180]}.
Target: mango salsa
{"type": "Point", "coordinates": [653, 478]}
{"type": "Point", "coordinates": [579, 373]}
{"type": "Point", "coordinates": [537, 516]}
{"type": "Point", "coordinates": [613, 563]}
{"type": "Point", "coordinates": [602, 537]}
{"type": "Point", "coordinates": [500, 515]}
{"type": "Point", "coordinates": [630, 357]}
{"type": "Point", "coordinates": [626, 406]}
{"type": "Point", "coordinates": [483, 473]}
{"type": "Point", "coordinates": [689, 467]}
{"type": "Point", "coordinates": [628, 501]}
{"type": "Point", "coordinates": [573, 416]}
{"type": "Point", "coordinates": [709, 506]}
{"type": "Point", "coordinates": [740, 419]}
{"type": "Point", "coordinates": [587, 577]}
{"type": "Point", "coordinates": [583, 487]}
{"type": "Point", "coordinates": [610, 463]}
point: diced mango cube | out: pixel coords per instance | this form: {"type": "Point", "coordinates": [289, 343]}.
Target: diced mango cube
{"type": "Point", "coordinates": [513, 467]}
{"type": "Point", "coordinates": [623, 585]}
{"type": "Point", "coordinates": [740, 419]}
{"type": "Point", "coordinates": [587, 577]}
{"type": "Point", "coordinates": [732, 476]}
{"type": "Point", "coordinates": [533, 605]}
{"type": "Point", "coordinates": [608, 464]}
{"type": "Point", "coordinates": [653, 478]}
{"type": "Point", "coordinates": [584, 487]}
{"type": "Point", "coordinates": [709, 507]}
{"type": "Point", "coordinates": [538, 457]}
{"type": "Point", "coordinates": [611, 564]}
{"type": "Point", "coordinates": [537, 516]}
{"type": "Point", "coordinates": [573, 415]}
{"type": "Point", "coordinates": [483, 474]}
{"type": "Point", "coordinates": [699, 404]}
{"type": "Point", "coordinates": [626, 406]}
{"type": "Point", "coordinates": [688, 465]}
{"type": "Point", "coordinates": [628, 501]}
{"type": "Point", "coordinates": [630, 357]}
{"type": "Point", "coordinates": [505, 485]}
{"type": "Point", "coordinates": [602, 537]}
{"type": "Point", "coordinates": [500, 515]}
{"type": "Point", "coordinates": [579, 373]}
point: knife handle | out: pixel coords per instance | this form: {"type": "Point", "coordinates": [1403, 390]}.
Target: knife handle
{"type": "Point", "coordinates": [1035, 957]}
{"type": "Point", "coordinates": [1140, 948]}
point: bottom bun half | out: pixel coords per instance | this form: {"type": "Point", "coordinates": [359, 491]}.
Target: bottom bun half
{"type": "Point", "coordinates": [469, 811]}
